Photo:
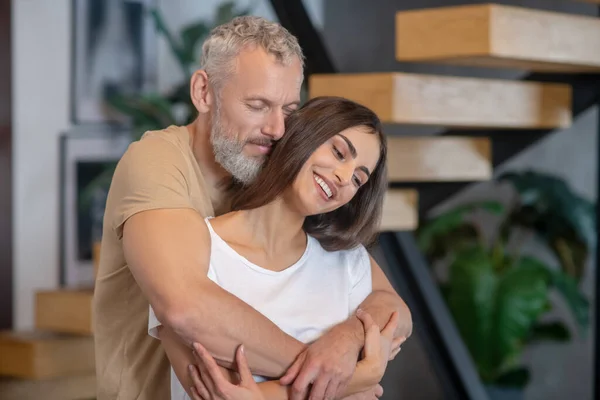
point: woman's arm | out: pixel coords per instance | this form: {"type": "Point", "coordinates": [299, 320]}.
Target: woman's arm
{"type": "Point", "coordinates": [210, 382]}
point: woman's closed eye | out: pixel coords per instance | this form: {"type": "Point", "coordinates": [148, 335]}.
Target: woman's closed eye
{"type": "Point", "coordinates": [338, 153]}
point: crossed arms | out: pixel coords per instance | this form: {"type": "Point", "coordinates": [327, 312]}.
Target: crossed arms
{"type": "Point", "coordinates": [168, 253]}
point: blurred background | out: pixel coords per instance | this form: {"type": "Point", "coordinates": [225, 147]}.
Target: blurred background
{"type": "Point", "coordinates": [489, 230]}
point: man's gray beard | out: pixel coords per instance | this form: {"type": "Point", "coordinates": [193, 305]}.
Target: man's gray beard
{"type": "Point", "coordinates": [229, 153]}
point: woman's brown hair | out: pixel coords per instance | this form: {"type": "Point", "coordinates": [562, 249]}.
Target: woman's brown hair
{"type": "Point", "coordinates": [308, 128]}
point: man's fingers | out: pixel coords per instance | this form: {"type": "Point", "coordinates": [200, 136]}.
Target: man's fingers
{"type": "Point", "coordinates": [242, 366]}
{"type": "Point", "coordinates": [391, 326]}
{"type": "Point", "coordinates": [317, 392]}
{"type": "Point", "coordinates": [301, 385]}
{"type": "Point", "coordinates": [293, 371]}
{"type": "Point", "coordinates": [332, 389]}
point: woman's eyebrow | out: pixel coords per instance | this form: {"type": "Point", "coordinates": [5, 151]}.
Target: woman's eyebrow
{"type": "Point", "coordinates": [350, 145]}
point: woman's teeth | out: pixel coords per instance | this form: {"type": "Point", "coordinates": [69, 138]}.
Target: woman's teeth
{"type": "Point", "coordinates": [324, 186]}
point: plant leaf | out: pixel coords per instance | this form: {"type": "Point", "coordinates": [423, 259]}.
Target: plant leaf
{"type": "Point", "coordinates": [557, 214]}
{"type": "Point", "coordinates": [101, 181]}
{"type": "Point", "coordinates": [574, 298]}
{"type": "Point", "coordinates": [556, 331]}
{"type": "Point", "coordinates": [447, 222]}
{"type": "Point", "coordinates": [149, 109]}
{"type": "Point", "coordinates": [495, 312]}
{"type": "Point", "coordinates": [517, 377]}
{"type": "Point", "coordinates": [176, 49]}
{"type": "Point", "coordinates": [521, 297]}
{"type": "Point", "coordinates": [470, 294]}
{"type": "Point", "coordinates": [227, 11]}
{"type": "Point", "coordinates": [191, 35]}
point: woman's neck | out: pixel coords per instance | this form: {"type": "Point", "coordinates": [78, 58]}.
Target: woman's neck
{"type": "Point", "coordinates": [274, 228]}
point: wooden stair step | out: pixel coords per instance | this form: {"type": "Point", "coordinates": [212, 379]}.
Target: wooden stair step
{"type": "Point", "coordinates": [64, 311]}
{"type": "Point", "coordinates": [417, 99]}
{"type": "Point", "coordinates": [400, 210]}
{"type": "Point", "coordinates": [42, 355]}
{"type": "Point", "coordinates": [439, 159]}
{"type": "Point", "coordinates": [77, 387]}
{"type": "Point", "coordinates": [492, 35]}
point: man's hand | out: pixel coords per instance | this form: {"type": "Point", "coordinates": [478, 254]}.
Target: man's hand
{"type": "Point", "coordinates": [327, 364]}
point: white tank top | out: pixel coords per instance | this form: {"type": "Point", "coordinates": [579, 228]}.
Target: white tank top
{"type": "Point", "coordinates": [321, 289]}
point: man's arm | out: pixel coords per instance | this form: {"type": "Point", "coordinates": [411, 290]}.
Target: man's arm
{"type": "Point", "coordinates": [168, 252]}
{"type": "Point", "coordinates": [380, 304]}
{"type": "Point", "coordinates": [181, 358]}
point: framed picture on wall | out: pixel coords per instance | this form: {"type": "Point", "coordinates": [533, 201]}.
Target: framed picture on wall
{"type": "Point", "coordinates": [88, 159]}
{"type": "Point", "coordinates": [114, 49]}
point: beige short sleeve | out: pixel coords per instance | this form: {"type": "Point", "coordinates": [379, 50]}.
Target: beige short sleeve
{"type": "Point", "coordinates": [152, 174]}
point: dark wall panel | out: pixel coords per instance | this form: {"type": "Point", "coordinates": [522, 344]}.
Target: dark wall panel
{"type": "Point", "coordinates": [6, 272]}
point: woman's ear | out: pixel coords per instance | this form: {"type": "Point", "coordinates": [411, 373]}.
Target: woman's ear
{"type": "Point", "coordinates": [200, 92]}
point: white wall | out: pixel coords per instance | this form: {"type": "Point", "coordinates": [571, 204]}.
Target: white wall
{"type": "Point", "coordinates": [41, 98]}
{"type": "Point", "coordinates": [41, 48]}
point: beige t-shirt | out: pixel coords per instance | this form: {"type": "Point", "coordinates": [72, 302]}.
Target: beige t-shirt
{"type": "Point", "coordinates": [159, 171]}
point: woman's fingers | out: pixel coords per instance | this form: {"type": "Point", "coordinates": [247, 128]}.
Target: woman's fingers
{"type": "Point", "coordinates": [372, 334]}
{"type": "Point", "coordinates": [199, 387]}
{"type": "Point", "coordinates": [196, 395]}
{"type": "Point", "coordinates": [243, 367]}
{"type": "Point", "coordinates": [391, 326]}
{"type": "Point", "coordinates": [365, 318]}
{"type": "Point", "coordinates": [394, 353]}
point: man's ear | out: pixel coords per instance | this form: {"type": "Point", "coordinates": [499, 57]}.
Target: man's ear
{"type": "Point", "coordinates": [200, 92]}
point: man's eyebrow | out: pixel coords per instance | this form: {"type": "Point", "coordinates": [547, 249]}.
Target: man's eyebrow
{"type": "Point", "coordinates": [350, 145]}
{"type": "Point", "coordinates": [293, 103]}
{"type": "Point", "coordinates": [258, 98]}
{"type": "Point", "coordinates": [270, 103]}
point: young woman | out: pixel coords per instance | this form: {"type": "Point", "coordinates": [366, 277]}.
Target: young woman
{"type": "Point", "coordinates": [294, 245]}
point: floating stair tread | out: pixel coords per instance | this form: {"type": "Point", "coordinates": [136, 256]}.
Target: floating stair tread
{"type": "Point", "coordinates": [42, 355]}
{"type": "Point", "coordinates": [400, 210]}
{"type": "Point", "coordinates": [417, 99]}
{"type": "Point", "coordinates": [439, 159]}
{"type": "Point", "coordinates": [492, 35]}
{"type": "Point", "coordinates": [75, 387]}
{"type": "Point", "coordinates": [64, 310]}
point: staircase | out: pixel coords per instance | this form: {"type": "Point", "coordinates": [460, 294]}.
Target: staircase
{"type": "Point", "coordinates": [55, 360]}
{"type": "Point", "coordinates": [486, 122]}
{"type": "Point", "coordinates": [487, 35]}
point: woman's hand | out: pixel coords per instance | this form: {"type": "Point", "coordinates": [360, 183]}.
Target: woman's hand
{"type": "Point", "coordinates": [210, 384]}
{"type": "Point", "coordinates": [380, 346]}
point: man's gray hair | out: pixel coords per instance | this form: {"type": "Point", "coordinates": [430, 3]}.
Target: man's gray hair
{"type": "Point", "coordinates": [225, 42]}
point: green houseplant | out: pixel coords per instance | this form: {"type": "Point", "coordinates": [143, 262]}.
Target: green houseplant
{"type": "Point", "coordinates": [498, 294]}
{"type": "Point", "coordinates": [153, 111]}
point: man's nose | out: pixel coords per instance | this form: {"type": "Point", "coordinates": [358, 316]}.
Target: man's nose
{"type": "Point", "coordinates": [275, 127]}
